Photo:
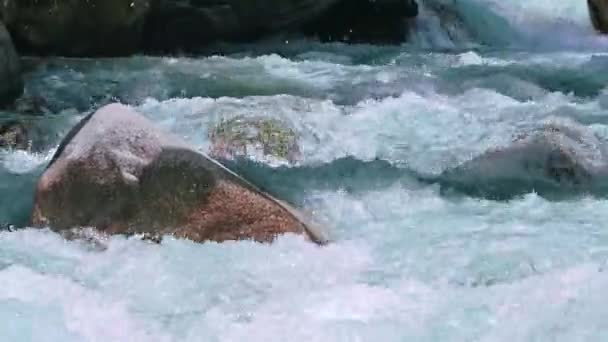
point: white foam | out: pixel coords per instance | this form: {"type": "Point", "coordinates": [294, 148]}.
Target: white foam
{"type": "Point", "coordinates": [533, 24]}
{"type": "Point", "coordinates": [470, 58]}
{"type": "Point", "coordinates": [427, 132]}
{"type": "Point", "coordinates": [407, 265]}
{"type": "Point", "coordinates": [19, 161]}
{"type": "Point", "coordinates": [83, 314]}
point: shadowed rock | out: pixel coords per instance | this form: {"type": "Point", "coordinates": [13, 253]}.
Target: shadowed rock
{"type": "Point", "coordinates": [118, 173]}
{"type": "Point", "coordinates": [598, 12]}
{"type": "Point", "coordinates": [562, 157]}
{"type": "Point", "coordinates": [192, 24]}
{"type": "Point", "coordinates": [11, 84]}
{"type": "Point", "coordinates": [364, 21]}
{"type": "Point", "coordinates": [76, 27]}
{"type": "Point", "coordinates": [13, 135]}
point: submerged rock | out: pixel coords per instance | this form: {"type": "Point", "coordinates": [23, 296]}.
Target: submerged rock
{"type": "Point", "coordinates": [560, 157]}
{"type": "Point", "coordinates": [192, 24]}
{"type": "Point", "coordinates": [364, 21]}
{"type": "Point", "coordinates": [598, 11]}
{"type": "Point", "coordinates": [243, 136]}
{"type": "Point", "coordinates": [118, 173]}
{"type": "Point", "coordinates": [11, 84]}
{"type": "Point", "coordinates": [76, 27]}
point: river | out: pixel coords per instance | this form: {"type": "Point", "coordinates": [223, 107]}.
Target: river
{"type": "Point", "coordinates": [408, 262]}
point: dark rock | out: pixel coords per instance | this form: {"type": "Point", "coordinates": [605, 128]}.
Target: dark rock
{"type": "Point", "coordinates": [192, 24]}
{"type": "Point", "coordinates": [11, 84]}
{"type": "Point", "coordinates": [598, 12]}
{"type": "Point", "coordinates": [365, 21]}
{"type": "Point", "coordinates": [14, 135]}
{"type": "Point", "coordinates": [118, 173]}
{"type": "Point", "coordinates": [76, 27]}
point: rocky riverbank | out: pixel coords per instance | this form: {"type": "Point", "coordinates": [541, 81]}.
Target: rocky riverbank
{"type": "Point", "coordinates": [101, 28]}
{"type": "Point", "coordinates": [119, 27]}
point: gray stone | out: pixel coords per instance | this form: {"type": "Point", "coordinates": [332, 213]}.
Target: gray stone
{"type": "Point", "coordinates": [562, 155]}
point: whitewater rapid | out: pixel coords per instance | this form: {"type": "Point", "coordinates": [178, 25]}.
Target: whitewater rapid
{"type": "Point", "coordinates": [519, 24]}
{"type": "Point", "coordinates": [408, 262]}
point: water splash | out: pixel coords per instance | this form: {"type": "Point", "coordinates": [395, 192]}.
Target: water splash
{"type": "Point", "coordinates": [514, 24]}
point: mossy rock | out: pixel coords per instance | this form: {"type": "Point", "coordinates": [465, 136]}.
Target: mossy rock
{"type": "Point", "coordinates": [242, 136]}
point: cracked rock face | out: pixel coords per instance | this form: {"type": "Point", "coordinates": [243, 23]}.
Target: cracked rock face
{"type": "Point", "coordinates": [118, 173]}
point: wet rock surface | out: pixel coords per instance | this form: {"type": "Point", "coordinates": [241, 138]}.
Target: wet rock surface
{"type": "Point", "coordinates": [11, 84]}
{"type": "Point", "coordinates": [117, 173]}
{"type": "Point", "coordinates": [560, 157]}
{"type": "Point", "coordinates": [263, 137]}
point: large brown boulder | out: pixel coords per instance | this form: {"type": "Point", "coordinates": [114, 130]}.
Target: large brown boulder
{"type": "Point", "coordinates": [11, 84]}
{"type": "Point", "coordinates": [598, 11]}
{"type": "Point", "coordinates": [118, 173]}
{"type": "Point", "coordinates": [194, 24]}
{"type": "Point", "coordinates": [76, 27]}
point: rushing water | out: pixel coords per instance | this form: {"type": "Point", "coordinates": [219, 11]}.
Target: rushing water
{"type": "Point", "coordinates": [409, 262]}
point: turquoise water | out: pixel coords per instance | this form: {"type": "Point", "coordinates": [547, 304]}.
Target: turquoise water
{"type": "Point", "coordinates": [410, 260]}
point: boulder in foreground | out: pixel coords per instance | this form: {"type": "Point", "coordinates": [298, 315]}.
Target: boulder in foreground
{"type": "Point", "coordinates": [117, 172]}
